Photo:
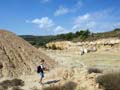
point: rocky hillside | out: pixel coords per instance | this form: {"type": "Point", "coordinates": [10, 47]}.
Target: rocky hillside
{"type": "Point", "coordinates": [82, 35]}
{"type": "Point", "coordinates": [89, 45]}
{"type": "Point", "coordinates": [18, 57]}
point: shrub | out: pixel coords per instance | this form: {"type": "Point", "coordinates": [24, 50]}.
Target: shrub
{"type": "Point", "coordinates": [17, 82]}
{"type": "Point", "coordinates": [11, 83]}
{"type": "Point", "coordinates": [110, 81]}
{"type": "Point", "coordinates": [53, 47]}
{"type": "Point", "coordinates": [1, 65]}
{"type": "Point", "coordinates": [53, 87]}
{"type": "Point", "coordinates": [94, 70]}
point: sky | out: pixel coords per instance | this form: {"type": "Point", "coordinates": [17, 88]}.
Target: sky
{"type": "Point", "coordinates": [51, 17]}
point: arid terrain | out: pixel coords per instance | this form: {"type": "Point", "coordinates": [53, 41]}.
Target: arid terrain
{"type": "Point", "coordinates": [59, 44]}
{"type": "Point", "coordinates": [69, 64]}
{"type": "Point", "coordinates": [104, 58]}
{"type": "Point", "coordinates": [104, 55]}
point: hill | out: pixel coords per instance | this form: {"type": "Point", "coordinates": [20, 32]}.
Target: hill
{"type": "Point", "coordinates": [18, 57]}
{"type": "Point", "coordinates": [110, 34]}
{"type": "Point", "coordinates": [82, 35]}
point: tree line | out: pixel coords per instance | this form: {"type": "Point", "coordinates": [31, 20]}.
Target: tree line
{"type": "Point", "coordinates": [82, 35]}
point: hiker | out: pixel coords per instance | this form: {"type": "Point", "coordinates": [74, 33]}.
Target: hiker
{"type": "Point", "coordinates": [40, 70]}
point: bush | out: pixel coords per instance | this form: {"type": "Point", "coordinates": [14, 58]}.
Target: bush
{"type": "Point", "coordinates": [53, 47]}
{"type": "Point", "coordinates": [11, 83]}
{"type": "Point", "coordinates": [94, 70]}
{"type": "Point", "coordinates": [109, 81]}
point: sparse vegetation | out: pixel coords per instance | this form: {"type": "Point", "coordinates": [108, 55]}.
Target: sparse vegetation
{"type": "Point", "coordinates": [66, 86]}
{"type": "Point", "coordinates": [16, 88]}
{"type": "Point", "coordinates": [53, 47]}
{"type": "Point", "coordinates": [110, 81]}
{"type": "Point", "coordinates": [42, 40]}
{"type": "Point", "coordinates": [94, 70]}
{"type": "Point", "coordinates": [15, 83]}
{"type": "Point", "coordinates": [82, 35]}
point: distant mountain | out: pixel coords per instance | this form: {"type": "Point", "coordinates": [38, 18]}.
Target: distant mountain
{"type": "Point", "coordinates": [82, 35]}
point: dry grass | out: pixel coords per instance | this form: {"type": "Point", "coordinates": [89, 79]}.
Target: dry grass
{"type": "Point", "coordinates": [16, 88]}
{"type": "Point", "coordinates": [67, 86]}
{"type": "Point", "coordinates": [101, 59]}
{"type": "Point", "coordinates": [110, 81]}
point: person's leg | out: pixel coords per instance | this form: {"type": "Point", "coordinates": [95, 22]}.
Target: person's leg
{"type": "Point", "coordinates": [41, 77]}
{"type": "Point", "coordinates": [40, 80]}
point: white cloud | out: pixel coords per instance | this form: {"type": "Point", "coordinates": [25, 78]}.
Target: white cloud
{"type": "Point", "coordinates": [43, 23]}
{"type": "Point", "coordinates": [97, 21]}
{"type": "Point", "coordinates": [91, 24]}
{"type": "Point", "coordinates": [46, 23]}
{"type": "Point", "coordinates": [61, 11]}
{"type": "Point", "coordinates": [83, 18]}
{"type": "Point", "coordinates": [60, 30]}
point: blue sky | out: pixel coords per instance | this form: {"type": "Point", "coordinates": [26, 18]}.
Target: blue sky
{"type": "Point", "coordinates": [46, 17]}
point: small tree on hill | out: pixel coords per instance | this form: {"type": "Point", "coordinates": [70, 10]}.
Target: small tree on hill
{"type": "Point", "coordinates": [84, 34]}
{"type": "Point", "coordinates": [69, 36]}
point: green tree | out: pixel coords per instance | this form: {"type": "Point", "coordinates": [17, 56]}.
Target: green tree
{"type": "Point", "coordinates": [84, 34]}
{"type": "Point", "coordinates": [69, 36]}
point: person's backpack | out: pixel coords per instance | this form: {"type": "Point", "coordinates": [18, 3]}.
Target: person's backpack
{"type": "Point", "coordinates": [38, 69]}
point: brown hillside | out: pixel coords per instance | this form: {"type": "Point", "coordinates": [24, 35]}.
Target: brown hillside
{"type": "Point", "coordinates": [18, 57]}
